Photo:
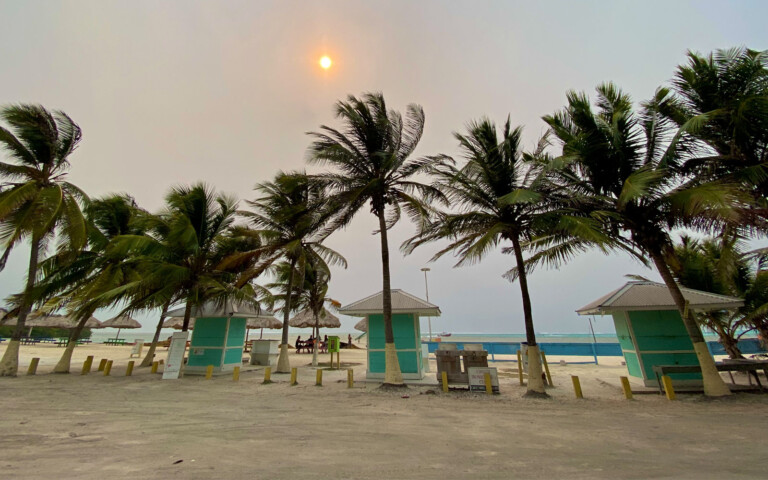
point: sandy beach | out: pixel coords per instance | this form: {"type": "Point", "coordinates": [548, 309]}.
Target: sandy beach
{"type": "Point", "coordinates": [96, 427]}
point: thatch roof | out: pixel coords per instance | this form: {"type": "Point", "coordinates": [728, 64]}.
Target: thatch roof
{"type": "Point", "coordinates": [220, 309]}
{"type": "Point", "coordinates": [53, 321]}
{"type": "Point", "coordinates": [362, 325]}
{"type": "Point", "coordinates": [306, 319]}
{"type": "Point", "coordinates": [262, 321]}
{"type": "Point", "coordinates": [402, 302]}
{"type": "Point", "coordinates": [644, 295]}
{"type": "Point", "coordinates": [122, 321]}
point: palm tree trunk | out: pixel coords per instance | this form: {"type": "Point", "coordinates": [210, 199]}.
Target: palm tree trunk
{"type": "Point", "coordinates": [535, 380]}
{"type": "Point", "coordinates": [714, 385]}
{"type": "Point", "coordinates": [65, 361]}
{"type": "Point", "coordinates": [317, 343]}
{"type": "Point", "coordinates": [283, 363]}
{"type": "Point", "coordinates": [187, 316]}
{"type": "Point", "coordinates": [9, 364]}
{"type": "Point", "coordinates": [153, 346]}
{"type": "Point", "coordinates": [392, 374]}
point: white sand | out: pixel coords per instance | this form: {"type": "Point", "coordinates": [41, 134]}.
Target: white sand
{"type": "Point", "coordinates": [97, 427]}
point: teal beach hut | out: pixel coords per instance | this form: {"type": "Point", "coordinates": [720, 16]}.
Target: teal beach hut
{"type": "Point", "coordinates": [406, 309]}
{"type": "Point", "coordinates": [650, 329]}
{"type": "Point", "coordinates": [219, 336]}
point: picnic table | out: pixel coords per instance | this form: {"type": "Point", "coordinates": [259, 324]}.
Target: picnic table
{"type": "Point", "coordinates": [114, 341]}
{"type": "Point", "coordinates": [29, 341]}
{"type": "Point", "coordinates": [732, 365]}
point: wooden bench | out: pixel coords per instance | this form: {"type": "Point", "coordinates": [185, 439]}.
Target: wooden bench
{"type": "Point", "coordinates": [749, 366]}
{"type": "Point", "coordinates": [114, 341]}
{"type": "Point", "coordinates": [29, 341]}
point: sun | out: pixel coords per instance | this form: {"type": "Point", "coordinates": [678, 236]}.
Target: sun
{"type": "Point", "coordinates": [326, 62]}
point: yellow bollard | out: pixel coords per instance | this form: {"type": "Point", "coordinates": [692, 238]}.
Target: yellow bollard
{"type": "Point", "coordinates": [267, 375]}
{"type": "Point", "coordinates": [627, 389]}
{"type": "Point", "coordinates": [236, 374]}
{"type": "Point", "coordinates": [33, 366]}
{"type": "Point", "coordinates": [577, 386]}
{"type": "Point", "coordinates": [107, 368]}
{"type": "Point", "coordinates": [154, 366]}
{"type": "Point", "coordinates": [445, 381]}
{"type": "Point", "coordinates": [520, 367]}
{"type": "Point", "coordinates": [102, 364]}
{"type": "Point", "coordinates": [350, 378]}
{"type": "Point", "coordinates": [319, 378]}
{"type": "Point", "coordinates": [87, 365]}
{"type": "Point", "coordinates": [129, 370]}
{"type": "Point", "coordinates": [546, 368]}
{"type": "Point", "coordinates": [294, 372]}
{"type": "Point", "coordinates": [668, 387]}
{"type": "Point", "coordinates": [209, 372]}
{"type": "Point", "coordinates": [488, 385]}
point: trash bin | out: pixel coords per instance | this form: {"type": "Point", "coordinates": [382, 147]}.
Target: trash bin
{"type": "Point", "coordinates": [264, 352]}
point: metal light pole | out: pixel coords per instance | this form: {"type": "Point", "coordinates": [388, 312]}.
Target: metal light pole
{"type": "Point", "coordinates": [426, 287]}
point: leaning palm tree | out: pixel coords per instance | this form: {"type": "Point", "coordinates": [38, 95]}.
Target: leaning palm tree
{"type": "Point", "coordinates": [77, 283]}
{"type": "Point", "coordinates": [36, 202]}
{"type": "Point", "coordinates": [290, 219]}
{"type": "Point", "coordinates": [498, 195]}
{"type": "Point", "coordinates": [370, 158]}
{"type": "Point", "coordinates": [621, 162]}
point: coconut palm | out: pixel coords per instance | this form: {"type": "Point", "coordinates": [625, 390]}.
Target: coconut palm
{"type": "Point", "coordinates": [622, 163]}
{"type": "Point", "coordinates": [498, 195]}
{"type": "Point", "coordinates": [36, 201]}
{"type": "Point", "coordinates": [371, 165]}
{"type": "Point", "coordinates": [290, 219]}
{"type": "Point", "coordinates": [728, 91]}
{"type": "Point", "coordinates": [78, 283]}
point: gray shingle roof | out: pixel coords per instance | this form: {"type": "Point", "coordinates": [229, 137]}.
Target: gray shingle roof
{"type": "Point", "coordinates": [655, 296]}
{"type": "Point", "coordinates": [402, 302]}
{"type": "Point", "coordinates": [219, 309]}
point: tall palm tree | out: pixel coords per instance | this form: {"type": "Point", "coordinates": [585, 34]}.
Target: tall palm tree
{"type": "Point", "coordinates": [290, 219]}
{"type": "Point", "coordinates": [620, 161]}
{"type": "Point", "coordinates": [371, 165]}
{"type": "Point", "coordinates": [498, 195]}
{"type": "Point", "coordinates": [36, 201]}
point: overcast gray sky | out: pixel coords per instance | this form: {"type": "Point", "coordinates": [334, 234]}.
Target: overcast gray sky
{"type": "Point", "coordinates": [179, 91]}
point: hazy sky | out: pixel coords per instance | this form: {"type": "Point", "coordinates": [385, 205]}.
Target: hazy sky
{"type": "Point", "coordinates": [175, 92]}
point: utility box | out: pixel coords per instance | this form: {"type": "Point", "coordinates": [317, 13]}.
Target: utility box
{"type": "Point", "coordinates": [264, 352]}
{"type": "Point", "coordinates": [334, 344]}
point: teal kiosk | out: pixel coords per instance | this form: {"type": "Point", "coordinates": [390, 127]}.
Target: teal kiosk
{"type": "Point", "coordinates": [650, 329]}
{"type": "Point", "coordinates": [218, 337]}
{"type": "Point", "coordinates": [406, 309]}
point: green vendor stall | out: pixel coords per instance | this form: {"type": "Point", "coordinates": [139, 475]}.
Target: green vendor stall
{"type": "Point", "coordinates": [406, 309]}
{"type": "Point", "coordinates": [650, 329]}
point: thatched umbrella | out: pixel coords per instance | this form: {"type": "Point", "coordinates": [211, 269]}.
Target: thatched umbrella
{"type": "Point", "coordinates": [120, 322]}
{"type": "Point", "coordinates": [42, 320]}
{"type": "Point", "coordinates": [306, 319]}
{"type": "Point", "coordinates": [176, 323]}
{"type": "Point", "coordinates": [362, 325]}
{"type": "Point", "coordinates": [266, 320]}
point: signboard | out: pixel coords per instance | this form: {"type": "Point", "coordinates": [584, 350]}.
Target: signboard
{"type": "Point", "coordinates": [137, 345]}
{"type": "Point", "coordinates": [477, 379]}
{"type": "Point", "coordinates": [175, 358]}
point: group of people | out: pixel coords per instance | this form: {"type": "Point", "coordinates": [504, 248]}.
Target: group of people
{"type": "Point", "coordinates": [309, 344]}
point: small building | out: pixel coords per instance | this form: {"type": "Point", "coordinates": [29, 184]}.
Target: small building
{"type": "Point", "coordinates": [650, 329]}
{"type": "Point", "coordinates": [219, 336]}
{"type": "Point", "coordinates": [406, 309]}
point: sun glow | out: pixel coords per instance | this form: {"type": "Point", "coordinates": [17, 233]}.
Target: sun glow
{"type": "Point", "coordinates": [326, 62]}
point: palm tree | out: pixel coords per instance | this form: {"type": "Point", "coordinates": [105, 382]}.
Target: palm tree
{"type": "Point", "coordinates": [718, 266]}
{"type": "Point", "coordinates": [35, 200]}
{"type": "Point", "coordinates": [77, 284]}
{"type": "Point", "coordinates": [499, 195]}
{"type": "Point", "coordinates": [290, 219]}
{"type": "Point", "coordinates": [621, 162]}
{"type": "Point", "coordinates": [370, 158]}
{"type": "Point", "coordinates": [728, 92]}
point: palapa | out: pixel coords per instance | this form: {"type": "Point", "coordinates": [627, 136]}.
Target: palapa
{"type": "Point", "coordinates": [362, 325]}
{"type": "Point", "coordinates": [120, 322]}
{"type": "Point", "coordinates": [306, 319]}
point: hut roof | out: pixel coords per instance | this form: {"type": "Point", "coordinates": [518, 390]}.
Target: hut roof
{"type": "Point", "coordinates": [121, 321]}
{"type": "Point", "coordinates": [402, 302]}
{"type": "Point", "coordinates": [362, 325]}
{"type": "Point", "coordinates": [219, 309]}
{"type": "Point", "coordinates": [262, 321]}
{"type": "Point", "coordinates": [305, 319]}
{"type": "Point", "coordinates": [644, 295]}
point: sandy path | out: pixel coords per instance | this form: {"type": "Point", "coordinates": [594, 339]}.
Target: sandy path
{"type": "Point", "coordinates": [96, 427]}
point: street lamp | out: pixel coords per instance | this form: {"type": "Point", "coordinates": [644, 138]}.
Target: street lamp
{"type": "Point", "coordinates": [426, 287]}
